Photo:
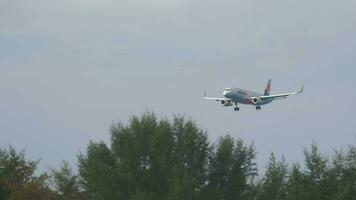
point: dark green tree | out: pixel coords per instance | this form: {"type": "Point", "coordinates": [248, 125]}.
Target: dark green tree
{"type": "Point", "coordinates": [349, 175]}
{"type": "Point", "coordinates": [315, 173]}
{"type": "Point", "coordinates": [190, 155]}
{"type": "Point", "coordinates": [161, 159]}
{"type": "Point", "coordinates": [310, 183]}
{"type": "Point", "coordinates": [232, 170]}
{"type": "Point", "coordinates": [296, 184]}
{"type": "Point", "coordinates": [342, 176]}
{"type": "Point", "coordinates": [148, 158]}
{"type": "Point", "coordinates": [274, 183]}
{"type": "Point", "coordinates": [97, 169]}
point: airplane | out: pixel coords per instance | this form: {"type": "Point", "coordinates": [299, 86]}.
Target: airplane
{"type": "Point", "coordinates": [234, 96]}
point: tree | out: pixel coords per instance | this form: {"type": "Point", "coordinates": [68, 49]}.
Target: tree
{"type": "Point", "coordinates": [65, 183]}
{"type": "Point", "coordinates": [274, 183]}
{"type": "Point", "coordinates": [148, 158]}
{"type": "Point", "coordinates": [17, 177]}
{"type": "Point", "coordinates": [296, 184]}
{"type": "Point", "coordinates": [190, 154]}
{"type": "Point", "coordinates": [232, 169]}
{"type": "Point", "coordinates": [343, 175]}
{"type": "Point", "coordinates": [97, 170]}
{"type": "Point", "coordinates": [315, 173]}
{"type": "Point", "coordinates": [310, 184]}
{"type": "Point", "coordinates": [349, 175]}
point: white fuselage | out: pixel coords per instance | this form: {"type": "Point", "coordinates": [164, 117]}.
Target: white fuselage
{"type": "Point", "coordinates": [243, 96]}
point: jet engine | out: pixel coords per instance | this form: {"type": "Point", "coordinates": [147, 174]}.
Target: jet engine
{"type": "Point", "coordinates": [255, 100]}
{"type": "Point", "coordinates": [226, 102]}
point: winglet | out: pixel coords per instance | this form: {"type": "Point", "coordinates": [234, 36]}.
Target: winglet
{"type": "Point", "coordinates": [301, 89]}
{"type": "Point", "coordinates": [205, 93]}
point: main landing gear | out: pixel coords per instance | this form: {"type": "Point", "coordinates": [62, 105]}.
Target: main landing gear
{"type": "Point", "coordinates": [236, 108]}
{"type": "Point", "coordinates": [258, 107]}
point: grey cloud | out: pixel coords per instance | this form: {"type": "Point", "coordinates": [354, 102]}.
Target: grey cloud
{"type": "Point", "coordinates": [68, 68]}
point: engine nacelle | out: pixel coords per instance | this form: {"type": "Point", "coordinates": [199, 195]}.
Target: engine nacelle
{"type": "Point", "coordinates": [226, 102]}
{"type": "Point", "coordinates": [255, 100]}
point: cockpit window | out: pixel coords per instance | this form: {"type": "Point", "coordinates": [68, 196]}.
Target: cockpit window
{"type": "Point", "coordinates": [228, 89]}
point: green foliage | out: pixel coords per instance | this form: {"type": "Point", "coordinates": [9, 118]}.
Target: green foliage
{"type": "Point", "coordinates": [343, 174]}
{"type": "Point", "coordinates": [349, 174]}
{"type": "Point", "coordinates": [98, 174]}
{"type": "Point", "coordinates": [231, 171]}
{"type": "Point", "coordinates": [65, 183]}
{"type": "Point", "coordinates": [159, 159]}
{"type": "Point", "coordinates": [315, 173]}
{"type": "Point", "coordinates": [274, 183]}
{"type": "Point", "coordinates": [296, 184]}
{"type": "Point", "coordinates": [322, 179]}
{"type": "Point", "coordinates": [17, 179]}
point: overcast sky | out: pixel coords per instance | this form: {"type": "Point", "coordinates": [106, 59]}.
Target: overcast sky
{"type": "Point", "coordinates": [69, 68]}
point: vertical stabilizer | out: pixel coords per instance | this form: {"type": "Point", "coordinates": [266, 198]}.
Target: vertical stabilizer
{"type": "Point", "coordinates": [268, 87]}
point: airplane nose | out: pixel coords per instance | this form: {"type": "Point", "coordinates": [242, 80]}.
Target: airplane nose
{"type": "Point", "coordinates": [225, 92]}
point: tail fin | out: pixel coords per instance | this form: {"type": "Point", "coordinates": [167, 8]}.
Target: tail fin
{"type": "Point", "coordinates": [268, 87]}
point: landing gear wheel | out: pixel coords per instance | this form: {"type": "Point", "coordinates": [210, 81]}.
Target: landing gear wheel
{"type": "Point", "coordinates": [258, 107]}
{"type": "Point", "coordinates": [236, 108]}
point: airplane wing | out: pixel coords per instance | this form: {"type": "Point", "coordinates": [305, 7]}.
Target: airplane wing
{"type": "Point", "coordinates": [214, 98]}
{"type": "Point", "coordinates": [280, 96]}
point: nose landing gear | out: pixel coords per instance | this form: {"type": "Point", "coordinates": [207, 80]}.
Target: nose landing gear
{"type": "Point", "coordinates": [258, 107]}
